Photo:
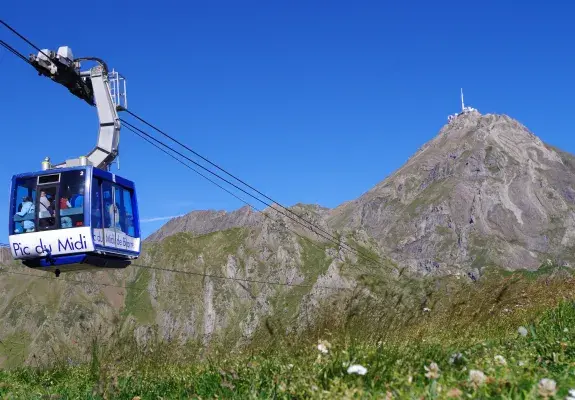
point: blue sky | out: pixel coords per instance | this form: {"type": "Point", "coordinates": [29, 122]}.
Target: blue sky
{"type": "Point", "coordinates": [308, 101]}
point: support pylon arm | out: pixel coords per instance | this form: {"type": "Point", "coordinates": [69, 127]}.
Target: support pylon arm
{"type": "Point", "coordinates": [98, 87]}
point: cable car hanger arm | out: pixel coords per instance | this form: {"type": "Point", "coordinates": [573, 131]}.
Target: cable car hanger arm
{"type": "Point", "coordinates": [98, 87]}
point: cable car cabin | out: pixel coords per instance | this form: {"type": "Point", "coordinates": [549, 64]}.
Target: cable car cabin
{"type": "Point", "coordinates": [73, 219]}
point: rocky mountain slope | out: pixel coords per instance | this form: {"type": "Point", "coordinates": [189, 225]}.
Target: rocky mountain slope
{"type": "Point", "coordinates": [484, 191]}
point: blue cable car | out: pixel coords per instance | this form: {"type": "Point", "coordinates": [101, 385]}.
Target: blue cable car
{"type": "Point", "coordinates": [77, 215]}
{"type": "Point", "coordinates": [74, 219]}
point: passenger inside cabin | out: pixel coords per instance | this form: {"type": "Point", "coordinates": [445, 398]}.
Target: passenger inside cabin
{"type": "Point", "coordinates": [78, 199]}
{"type": "Point", "coordinates": [26, 207]}
{"type": "Point", "coordinates": [46, 217]}
{"type": "Point", "coordinates": [65, 203]}
{"type": "Point", "coordinates": [66, 222]}
{"type": "Point", "coordinates": [44, 202]}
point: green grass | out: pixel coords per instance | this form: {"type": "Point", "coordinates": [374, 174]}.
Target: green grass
{"type": "Point", "coordinates": [13, 348]}
{"type": "Point", "coordinates": [477, 320]}
{"type": "Point", "coordinates": [213, 246]}
{"type": "Point", "coordinates": [395, 368]}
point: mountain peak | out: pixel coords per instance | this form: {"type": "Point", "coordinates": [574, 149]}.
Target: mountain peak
{"type": "Point", "coordinates": [484, 189]}
{"type": "Point", "coordinates": [472, 129]}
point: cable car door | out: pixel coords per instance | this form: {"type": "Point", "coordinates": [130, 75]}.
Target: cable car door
{"type": "Point", "coordinates": [47, 200]}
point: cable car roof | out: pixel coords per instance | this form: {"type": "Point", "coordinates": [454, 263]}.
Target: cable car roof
{"type": "Point", "coordinates": [95, 172]}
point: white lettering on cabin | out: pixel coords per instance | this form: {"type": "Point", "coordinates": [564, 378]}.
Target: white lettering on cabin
{"type": "Point", "coordinates": [69, 241]}
{"type": "Point", "coordinates": [110, 237]}
{"type": "Point", "coordinates": [71, 245]}
{"type": "Point", "coordinates": [39, 244]}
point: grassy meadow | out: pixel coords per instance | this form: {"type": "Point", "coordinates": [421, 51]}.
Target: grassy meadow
{"type": "Point", "coordinates": [507, 336]}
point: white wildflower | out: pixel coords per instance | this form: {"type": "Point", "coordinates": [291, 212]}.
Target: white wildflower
{"type": "Point", "coordinates": [356, 369]}
{"type": "Point", "coordinates": [426, 309]}
{"type": "Point", "coordinates": [323, 346]}
{"type": "Point", "coordinates": [500, 360]}
{"type": "Point", "coordinates": [476, 377]}
{"type": "Point", "coordinates": [522, 331]}
{"type": "Point", "coordinates": [571, 395]}
{"type": "Point", "coordinates": [547, 387]}
{"type": "Point", "coordinates": [432, 371]}
{"type": "Point", "coordinates": [521, 363]}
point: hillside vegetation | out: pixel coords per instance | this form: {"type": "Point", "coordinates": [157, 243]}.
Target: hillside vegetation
{"type": "Point", "coordinates": [500, 338]}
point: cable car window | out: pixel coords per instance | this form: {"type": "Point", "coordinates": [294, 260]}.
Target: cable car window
{"type": "Point", "coordinates": [97, 224]}
{"type": "Point", "coordinates": [110, 214]}
{"type": "Point", "coordinates": [71, 202]}
{"type": "Point", "coordinates": [46, 179]}
{"type": "Point", "coordinates": [120, 210]}
{"type": "Point", "coordinates": [114, 210]}
{"type": "Point", "coordinates": [107, 195]}
{"type": "Point", "coordinates": [128, 213]}
{"type": "Point", "coordinates": [24, 203]}
{"type": "Point", "coordinates": [96, 204]}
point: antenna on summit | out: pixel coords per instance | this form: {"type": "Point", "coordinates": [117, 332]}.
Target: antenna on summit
{"type": "Point", "coordinates": [464, 110]}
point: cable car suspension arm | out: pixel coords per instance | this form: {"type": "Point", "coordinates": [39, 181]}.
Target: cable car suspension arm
{"type": "Point", "coordinates": [98, 87]}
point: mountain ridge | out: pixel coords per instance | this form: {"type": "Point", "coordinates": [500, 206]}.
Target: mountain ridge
{"type": "Point", "coordinates": [490, 146]}
{"type": "Point", "coordinates": [206, 221]}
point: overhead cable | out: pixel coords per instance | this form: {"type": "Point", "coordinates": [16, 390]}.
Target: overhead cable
{"type": "Point", "coordinates": [340, 245]}
{"type": "Point", "coordinates": [314, 226]}
{"type": "Point", "coordinates": [223, 188]}
{"type": "Point", "coordinates": [213, 276]}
